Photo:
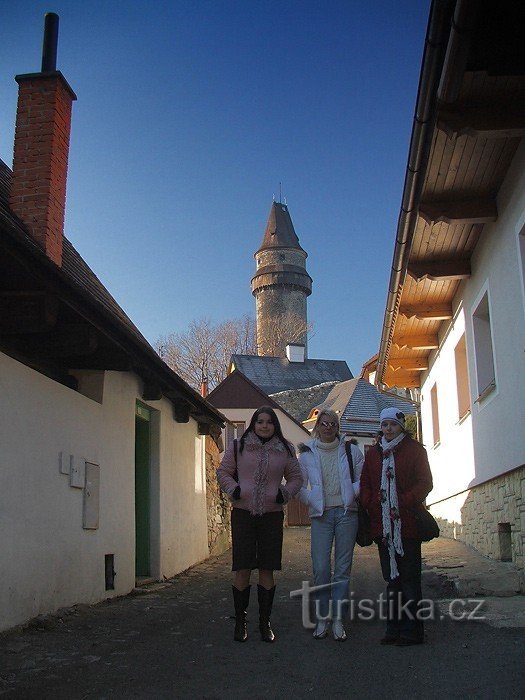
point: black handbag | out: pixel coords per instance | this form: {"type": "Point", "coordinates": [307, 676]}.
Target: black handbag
{"type": "Point", "coordinates": [426, 524]}
{"type": "Point", "coordinates": [364, 533]}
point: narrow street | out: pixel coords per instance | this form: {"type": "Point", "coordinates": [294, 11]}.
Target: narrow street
{"type": "Point", "coordinates": [174, 640]}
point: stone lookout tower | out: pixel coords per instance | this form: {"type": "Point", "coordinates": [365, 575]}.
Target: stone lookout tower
{"type": "Point", "coordinates": [280, 286]}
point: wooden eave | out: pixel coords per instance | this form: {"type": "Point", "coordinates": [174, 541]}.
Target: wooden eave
{"type": "Point", "coordinates": [469, 156]}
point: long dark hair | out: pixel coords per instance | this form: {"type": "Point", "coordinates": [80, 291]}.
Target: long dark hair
{"type": "Point", "coordinates": [277, 428]}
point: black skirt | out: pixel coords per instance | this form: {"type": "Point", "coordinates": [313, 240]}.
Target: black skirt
{"type": "Point", "coordinates": [257, 540]}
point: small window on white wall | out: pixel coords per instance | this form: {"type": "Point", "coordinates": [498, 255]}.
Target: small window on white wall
{"type": "Point", "coordinates": [462, 385]}
{"type": "Point", "coordinates": [485, 374]}
{"type": "Point", "coordinates": [435, 414]}
{"type": "Point", "coordinates": [234, 431]}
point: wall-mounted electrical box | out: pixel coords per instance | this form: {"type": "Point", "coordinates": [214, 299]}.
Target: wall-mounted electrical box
{"type": "Point", "coordinates": [91, 497]}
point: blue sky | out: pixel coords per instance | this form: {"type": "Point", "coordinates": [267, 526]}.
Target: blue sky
{"type": "Point", "coordinates": [189, 115]}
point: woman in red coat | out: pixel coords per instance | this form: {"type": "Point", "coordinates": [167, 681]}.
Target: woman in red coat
{"type": "Point", "coordinates": [396, 479]}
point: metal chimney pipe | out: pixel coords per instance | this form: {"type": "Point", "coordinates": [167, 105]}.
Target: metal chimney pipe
{"type": "Point", "coordinates": [49, 47]}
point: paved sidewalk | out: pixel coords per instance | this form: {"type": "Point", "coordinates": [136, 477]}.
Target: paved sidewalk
{"type": "Point", "coordinates": [467, 574]}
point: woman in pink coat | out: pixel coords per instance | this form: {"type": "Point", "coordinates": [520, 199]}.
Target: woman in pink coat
{"type": "Point", "coordinates": [251, 474]}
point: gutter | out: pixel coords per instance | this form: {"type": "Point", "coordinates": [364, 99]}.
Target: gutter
{"type": "Point", "coordinates": [420, 144]}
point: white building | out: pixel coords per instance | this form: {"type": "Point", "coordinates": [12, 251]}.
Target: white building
{"type": "Point", "coordinates": [454, 326]}
{"type": "Point", "coordinates": [102, 471]}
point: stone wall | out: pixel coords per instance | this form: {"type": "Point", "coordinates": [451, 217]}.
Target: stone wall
{"type": "Point", "coordinates": [281, 312]}
{"type": "Point", "coordinates": [218, 506]}
{"type": "Point", "coordinates": [489, 517]}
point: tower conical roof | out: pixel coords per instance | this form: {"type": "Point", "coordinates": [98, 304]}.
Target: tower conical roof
{"type": "Point", "coordinates": [279, 231]}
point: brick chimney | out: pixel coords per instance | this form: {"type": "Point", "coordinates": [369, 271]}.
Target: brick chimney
{"type": "Point", "coordinates": [43, 124]}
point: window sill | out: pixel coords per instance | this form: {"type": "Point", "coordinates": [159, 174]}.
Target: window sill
{"type": "Point", "coordinates": [488, 390]}
{"type": "Point", "coordinates": [464, 417]}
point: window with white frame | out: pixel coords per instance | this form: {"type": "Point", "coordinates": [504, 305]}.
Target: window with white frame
{"type": "Point", "coordinates": [234, 431]}
{"type": "Point", "coordinates": [483, 350]}
{"type": "Point", "coordinates": [462, 383]}
{"type": "Point", "coordinates": [435, 414]}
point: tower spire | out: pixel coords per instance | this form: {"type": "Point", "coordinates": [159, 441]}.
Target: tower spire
{"type": "Point", "coordinates": [280, 286]}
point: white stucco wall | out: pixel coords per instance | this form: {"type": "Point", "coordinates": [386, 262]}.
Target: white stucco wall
{"type": "Point", "coordinates": [489, 442]}
{"type": "Point", "coordinates": [183, 522]}
{"type": "Point", "coordinates": [48, 560]}
{"type": "Point", "coordinates": [452, 458]}
{"type": "Point", "coordinates": [498, 420]}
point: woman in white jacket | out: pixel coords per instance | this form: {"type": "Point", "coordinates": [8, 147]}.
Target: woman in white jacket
{"type": "Point", "coordinates": [330, 494]}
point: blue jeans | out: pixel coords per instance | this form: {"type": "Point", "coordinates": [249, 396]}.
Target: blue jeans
{"type": "Point", "coordinates": [333, 525]}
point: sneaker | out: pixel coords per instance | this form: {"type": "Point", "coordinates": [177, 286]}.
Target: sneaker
{"type": "Point", "coordinates": [321, 629]}
{"type": "Point", "coordinates": [338, 631]}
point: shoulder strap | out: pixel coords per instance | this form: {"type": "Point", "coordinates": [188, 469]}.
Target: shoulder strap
{"type": "Point", "coordinates": [236, 473]}
{"type": "Point", "coordinates": [348, 448]}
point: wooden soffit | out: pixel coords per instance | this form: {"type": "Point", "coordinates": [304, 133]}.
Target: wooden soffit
{"type": "Point", "coordinates": [479, 120]}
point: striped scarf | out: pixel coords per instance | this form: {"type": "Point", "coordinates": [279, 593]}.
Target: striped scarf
{"type": "Point", "coordinates": [390, 505]}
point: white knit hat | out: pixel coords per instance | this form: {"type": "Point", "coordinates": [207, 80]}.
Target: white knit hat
{"type": "Point", "coordinates": [393, 414]}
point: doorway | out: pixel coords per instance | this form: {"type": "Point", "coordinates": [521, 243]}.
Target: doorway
{"type": "Point", "coordinates": [142, 491]}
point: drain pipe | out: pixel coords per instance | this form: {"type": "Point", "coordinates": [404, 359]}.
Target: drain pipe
{"type": "Point", "coordinates": [420, 143]}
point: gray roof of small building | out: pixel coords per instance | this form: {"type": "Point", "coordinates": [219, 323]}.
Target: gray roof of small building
{"type": "Point", "coordinates": [275, 374]}
{"type": "Point", "coordinates": [359, 404]}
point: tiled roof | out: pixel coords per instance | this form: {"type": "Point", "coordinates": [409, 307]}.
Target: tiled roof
{"type": "Point", "coordinates": [81, 282]}
{"type": "Point", "coordinates": [73, 265]}
{"type": "Point", "coordinates": [78, 271]}
{"type": "Point", "coordinates": [275, 374]}
{"type": "Point", "coordinates": [359, 404]}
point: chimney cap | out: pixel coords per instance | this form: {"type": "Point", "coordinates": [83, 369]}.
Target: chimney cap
{"type": "Point", "coordinates": [295, 352]}
{"type": "Point", "coordinates": [50, 42]}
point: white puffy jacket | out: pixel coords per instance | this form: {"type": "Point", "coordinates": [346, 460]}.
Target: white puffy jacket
{"type": "Point", "coordinates": [311, 492]}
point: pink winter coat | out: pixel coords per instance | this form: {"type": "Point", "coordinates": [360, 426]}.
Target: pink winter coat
{"type": "Point", "coordinates": [261, 468]}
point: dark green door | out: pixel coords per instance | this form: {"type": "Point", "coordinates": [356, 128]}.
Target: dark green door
{"type": "Point", "coordinates": [142, 490]}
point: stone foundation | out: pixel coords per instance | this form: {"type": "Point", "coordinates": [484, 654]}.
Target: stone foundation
{"type": "Point", "coordinates": [490, 518]}
{"type": "Point", "coordinates": [218, 506]}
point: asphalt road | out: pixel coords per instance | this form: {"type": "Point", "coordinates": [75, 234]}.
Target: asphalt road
{"type": "Point", "coordinates": [174, 640]}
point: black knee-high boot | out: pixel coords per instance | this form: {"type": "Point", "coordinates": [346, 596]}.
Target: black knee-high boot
{"type": "Point", "coordinates": [240, 601]}
{"type": "Point", "coordinates": [265, 610]}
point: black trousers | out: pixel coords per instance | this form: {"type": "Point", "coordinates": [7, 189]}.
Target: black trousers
{"type": "Point", "coordinates": [404, 592]}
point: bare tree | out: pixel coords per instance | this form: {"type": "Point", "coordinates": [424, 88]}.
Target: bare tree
{"type": "Point", "coordinates": [203, 352]}
{"type": "Point", "coordinates": [279, 331]}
